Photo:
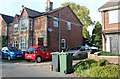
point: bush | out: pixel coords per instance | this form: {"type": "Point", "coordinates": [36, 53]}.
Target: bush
{"type": "Point", "coordinates": [103, 62]}
{"type": "Point", "coordinates": [91, 68]}
{"type": "Point", "coordinates": [108, 53]}
{"type": "Point", "coordinates": [85, 64]}
{"type": "Point", "coordinates": [103, 71]}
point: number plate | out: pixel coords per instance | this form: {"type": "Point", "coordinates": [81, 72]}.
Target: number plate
{"type": "Point", "coordinates": [18, 55]}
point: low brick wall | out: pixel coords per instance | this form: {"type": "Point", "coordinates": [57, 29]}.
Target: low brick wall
{"type": "Point", "coordinates": [111, 59]}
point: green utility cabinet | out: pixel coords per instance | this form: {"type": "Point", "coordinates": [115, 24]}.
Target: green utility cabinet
{"type": "Point", "coordinates": [66, 62]}
{"type": "Point", "coordinates": [55, 61]}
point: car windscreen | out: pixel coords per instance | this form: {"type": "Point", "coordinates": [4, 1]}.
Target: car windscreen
{"type": "Point", "coordinates": [31, 50]}
{"type": "Point", "coordinates": [13, 49]}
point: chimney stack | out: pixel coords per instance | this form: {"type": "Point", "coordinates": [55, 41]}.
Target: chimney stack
{"type": "Point", "coordinates": [49, 5]}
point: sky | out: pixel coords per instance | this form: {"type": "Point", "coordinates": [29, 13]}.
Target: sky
{"type": "Point", "coordinates": [12, 7]}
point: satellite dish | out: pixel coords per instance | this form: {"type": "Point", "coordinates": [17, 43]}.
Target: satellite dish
{"type": "Point", "coordinates": [50, 29]}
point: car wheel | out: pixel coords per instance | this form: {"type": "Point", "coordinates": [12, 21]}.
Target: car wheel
{"type": "Point", "coordinates": [8, 58]}
{"type": "Point", "coordinates": [28, 60]}
{"type": "Point", "coordinates": [39, 59]}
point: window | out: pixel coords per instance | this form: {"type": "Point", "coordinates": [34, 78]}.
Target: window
{"type": "Point", "coordinates": [63, 44]}
{"type": "Point", "coordinates": [15, 43]}
{"type": "Point", "coordinates": [56, 22]}
{"type": "Point", "coordinates": [15, 28]}
{"type": "Point", "coordinates": [113, 16]}
{"type": "Point", "coordinates": [31, 24]}
{"type": "Point", "coordinates": [23, 24]}
{"type": "Point", "coordinates": [30, 41]}
{"type": "Point", "coordinates": [23, 44]}
{"type": "Point", "coordinates": [68, 25]}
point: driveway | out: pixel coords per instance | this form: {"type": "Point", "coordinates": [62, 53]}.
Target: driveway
{"type": "Point", "coordinates": [31, 69]}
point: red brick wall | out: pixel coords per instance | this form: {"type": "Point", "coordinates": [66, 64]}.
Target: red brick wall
{"type": "Point", "coordinates": [39, 28]}
{"type": "Point", "coordinates": [73, 37]}
{"type": "Point", "coordinates": [105, 23]}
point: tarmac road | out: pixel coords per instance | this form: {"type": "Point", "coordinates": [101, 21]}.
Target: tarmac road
{"type": "Point", "coordinates": [30, 70]}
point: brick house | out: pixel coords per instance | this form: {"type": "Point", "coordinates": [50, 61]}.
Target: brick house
{"type": "Point", "coordinates": [5, 23]}
{"type": "Point", "coordinates": [111, 26]}
{"type": "Point", "coordinates": [55, 28]}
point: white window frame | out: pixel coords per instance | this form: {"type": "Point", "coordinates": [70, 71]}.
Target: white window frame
{"type": "Point", "coordinates": [63, 41]}
{"type": "Point", "coordinates": [114, 16]}
{"type": "Point", "coordinates": [15, 43]}
{"type": "Point", "coordinates": [15, 28]}
{"type": "Point", "coordinates": [56, 22]}
{"type": "Point", "coordinates": [68, 25]}
{"type": "Point", "coordinates": [23, 24]}
{"type": "Point", "coordinates": [31, 24]}
{"type": "Point", "coordinates": [23, 44]}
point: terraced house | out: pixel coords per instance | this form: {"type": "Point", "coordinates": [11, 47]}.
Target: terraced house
{"type": "Point", "coordinates": [5, 23]}
{"type": "Point", "coordinates": [111, 26]}
{"type": "Point", "coordinates": [56, 28]}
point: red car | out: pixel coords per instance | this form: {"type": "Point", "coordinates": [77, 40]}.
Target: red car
{"type": "Point", "coordinates": [38, 53]}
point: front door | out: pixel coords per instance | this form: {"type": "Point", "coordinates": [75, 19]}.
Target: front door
{"type": "Point", "coordinates": [40, 41]}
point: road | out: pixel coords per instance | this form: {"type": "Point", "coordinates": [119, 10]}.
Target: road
{"type": "Point", "coordinates": [32, 69]}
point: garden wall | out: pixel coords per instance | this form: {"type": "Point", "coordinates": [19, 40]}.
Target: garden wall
{"type": "Point", "coordinates": [111, 59]}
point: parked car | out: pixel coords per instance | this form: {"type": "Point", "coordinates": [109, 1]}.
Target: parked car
{"type": "Point", "coordinates": [38, 53]}
{"type": "Point", "coordinates": [11, 53]}
{"type": "Point", "coordinates": [80, 51]}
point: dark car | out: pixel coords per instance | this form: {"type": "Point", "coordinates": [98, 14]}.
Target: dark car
{"type": "Point", "coordinates": [11, 53]}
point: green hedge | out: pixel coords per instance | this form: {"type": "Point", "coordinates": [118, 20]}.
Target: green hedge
{"type": "Point", "coordinates": [92, 68]}
{"type": "Point", "coordinates": [108, 53]}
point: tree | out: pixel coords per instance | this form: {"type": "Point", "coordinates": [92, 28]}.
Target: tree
{"type": "Point", "coordinates": [97, 35]}
{"type": "Point", "coordinates": [83, 15]}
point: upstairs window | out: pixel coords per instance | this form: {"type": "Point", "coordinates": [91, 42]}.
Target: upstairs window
{"type": "Point", "coordinates": [23, 24]}
{"type": "Point", "coordinates": [68, 25]}
{"type": "Point", "coordinates": [31, 24]}
{"type": "Point", "coordinates": [56, 22]}
{"type": "Point", "coordinates": [15, 28]}
{"type": "Point", "coordinates": [113, 16]}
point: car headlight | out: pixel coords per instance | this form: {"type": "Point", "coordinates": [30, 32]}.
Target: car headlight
{"type": "Point", "coordinates": [11, 52]}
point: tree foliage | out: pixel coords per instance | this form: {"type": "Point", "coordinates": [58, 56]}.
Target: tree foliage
{"type": "Point", "coordinates": [97, 35]}
{"type": "Point", "coordinates": [83, 15]}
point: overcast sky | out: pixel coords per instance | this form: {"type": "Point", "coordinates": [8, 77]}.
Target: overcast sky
{"type": "Point", "coordinates": [12, 7]}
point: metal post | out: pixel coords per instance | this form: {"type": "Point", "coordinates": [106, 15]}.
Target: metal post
{"type": "Point", "coordinates": [59, 32]}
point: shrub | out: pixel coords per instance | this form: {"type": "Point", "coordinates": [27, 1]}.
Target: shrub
{"type": "Point", "coordinates": [103, 71]}
{"type": "Point", "coordinates": [85, 64]}
{"type": "Point", "coordinates": [103, 62]}
{"type": "Point", "coordinates": [108, 53]}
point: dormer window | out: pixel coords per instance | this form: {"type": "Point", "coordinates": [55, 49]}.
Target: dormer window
{"type": "Point", "coordinates": [15, 28]}
{"type": "Point", "coordinates": [23, 24]}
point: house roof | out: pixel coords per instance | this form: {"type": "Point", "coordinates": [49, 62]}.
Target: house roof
{"type": "Point", "coordinates": [8, 19]}
{"type": "Point", "coordinates": [32, 13]}
{"type": "Point", "coordinates": [111, 4]}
